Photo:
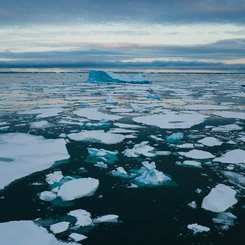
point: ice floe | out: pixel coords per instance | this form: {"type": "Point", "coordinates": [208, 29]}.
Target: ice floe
{"type": "Point", "coordinates": [111, 77]}
{"type": "Point", "coordinates": [197, 154]}
{"type": "Point", "coordinates": [59, 227]}
{"type": "Point", "coordinates": [120, 172]}
{"type": "Point", "coordinates": [226, 128]}
{"type": "Point", "coordinates": [29, 154]}
{"type": "Point", "coordinates": [40, 124]}
{"type": "Point", "coordinates": [78, 188]}
{"type": "Point", "coordinates": [196, 228]}
{"type": "Point", "coordinates": [220, 198]}
{"type": "Point", "coordinates": [210, 141]}
{"type": "Point", "coordinates": [77, 237]}
{"type": "Point", "coordinates": [234, 156]}
{"type": "Point", "coordinates": [27, 233]}
{"type": "Point", "coordinates": [47, 196]}
{"type": "Point", "coordinates": [97, 136]}
{"type": "Point", "coordinates": [82, 216]}
{"type": "Point", "coordinates": [193, 164]}
{"type": "Point", "coordinates": [175, 138]}
{"type": "Point", "coordinates": [109, 218]}
{"type": "Point", "coordinates": [226, 218]}
{"type": "Point", "coordinates": [43, 112]}
{"type": "Point", "coordinates": [172, 119]}
{"type": "Point", "coordinates": [231, 114]}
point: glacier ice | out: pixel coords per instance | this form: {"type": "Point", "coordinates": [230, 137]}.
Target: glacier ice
{"type": "Point", "coordinates": [111, 77]}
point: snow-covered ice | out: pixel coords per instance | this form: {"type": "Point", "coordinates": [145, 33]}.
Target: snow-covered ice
{"type": "Point", "coordinates": [47, 196]}
{"type": "Point", "coordinates": [234, 156]}
{"type": "Point", "coordinates": [210, 141]}
{"type": "Point", "coordinates": [196, 228]}
{"type": "Point", "coordinates": [231, 114]}
{"type": "Point", "coordinates": [59, 227]}
{"type": "Point", "coordinates": [82, 216]}
{"type": "Point", "coordinates": [220, 198]}
{"type": "Point", "coordinates": [197, 154]}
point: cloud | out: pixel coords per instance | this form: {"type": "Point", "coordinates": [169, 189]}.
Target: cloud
{"type": "Point", "coordinates": [157, 11]}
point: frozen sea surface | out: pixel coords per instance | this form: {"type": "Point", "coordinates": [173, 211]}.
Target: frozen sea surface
{"type": "Point", "coordinates": [71, 157]}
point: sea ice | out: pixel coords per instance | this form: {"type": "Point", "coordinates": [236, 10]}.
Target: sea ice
{"type": "Point", "coordinates": [235, 178]}
{"type": "Point", "coordinates": [77, 237]}
{"type": "Point", "coordinates": [231, 114]}
{"type": "Point", "coordinates": [172, 119]}
{"type": "Point", "coordinates": [205, 107]}
{"type": "Point", "coordinates": [192, 205]}
{"type": "Point", "coordinates": [29, 154]}
{"type": "Point", "coordinates": [95, 114]}
{"type": "Point", "coordinates": [196, 228]}
{"type": "Point", "coordinates": [220, 198]}
{"type": "Point", "coordinates": [111, 77]}
{"type": "Point", "coordinates": [59, 227]}
{"type": "Point", "coordinates": [148, 175]}
{"type": "Point", "coordinates": [125, 125]}
{"type": "Point", "coordinates": [225, 218]}
{"type": "Point", "coordinates": [82, 216]}
{"type": "Point", "coordinates": [40, 124]}
{"type": "Point", "coordinates": [141, 149]}
{"type": "Point", "coordinates": [174, 138]}
{"type": "Point", "coordinates": [47, 196]}
{"type": "Point", "coordinates": [106, 156]}
{"type": "Point", "coordinates": [43, 112]}
{"type": "Point", "coordinates": [197, 154]}
{"type": "Point", "coordinates": [97, 136]}
{"type": "Point", "coordinates": [78, 188]}
{"type": "Point", "coordinates": [194, 164]}
{"type": "Point", "coordinates": [210, 141]}
{"type": "Point", "coordinates": [120, 172]}
{"type": "Point", "coordinates": [54, 177]}
{"type": "Point", "coordinates": [234, 156]}
{"type": "Point", "coordinates": [109, 218]}
{"type": "Point", "coordinates": [27, 233]}
{"type": "Point", "coordinates": [227, 128]}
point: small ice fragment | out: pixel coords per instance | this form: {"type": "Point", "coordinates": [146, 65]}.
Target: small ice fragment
{"type": "Point", "coordinates": [189, 163]}
{"type": "Point", "coordinates": [109, 218]}
{"type": "Point", "coordinates": [47, 196]}
{"type": "Point", "coordinates": [78, 188]}
{"type": "Point", "coordinates": [220, 198]}
{"type": "Point", "coordinates": [59, 227]}
{"type": "Point", "coordinates": [196, 228]}
{"type": "Point", "coordinates": [77, 237]}
{"type": "Point", "coordinates": [82, 216]}
{"type": "Point", "coordinates": [174, 138]}
{"type": "Point", "coordinates": [192, 205]}
{"type": "Point", "coordinates": [54, 177]}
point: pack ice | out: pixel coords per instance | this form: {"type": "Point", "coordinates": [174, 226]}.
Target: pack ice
{"type": "Point", "coordinates": [111, 77]}
{"type": "Point", "coordinates": [23, 154]}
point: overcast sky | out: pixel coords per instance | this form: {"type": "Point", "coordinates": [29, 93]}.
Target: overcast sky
{"type": "Point", "coordinates": [186, 34]}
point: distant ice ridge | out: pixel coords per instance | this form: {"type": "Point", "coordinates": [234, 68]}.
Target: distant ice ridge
{"type": "Point", "coordinates": [110, 77]}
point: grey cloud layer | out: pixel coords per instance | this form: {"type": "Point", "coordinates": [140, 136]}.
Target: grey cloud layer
{"type": "Point", "coordinates": [157, 11]}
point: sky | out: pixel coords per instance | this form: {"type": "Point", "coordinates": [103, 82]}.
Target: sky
{"type": "Point", "coordinates": [123, 34]}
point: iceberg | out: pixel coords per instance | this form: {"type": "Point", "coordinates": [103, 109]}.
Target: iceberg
{"type": "Point", "coordinates": [174, 138]}
{"type": "Point", "coordinates": [148, 175]}
{"type": "Point", "coordinates": [27, 233]}
{"type": "Point", "coordinates": [78, 188]}
{"type": "Point", "coordinates": [111, 77]}
{"type": "Point", "coordinates": [28, 154]}
{"type": "Point", "coordinates": [220, 198]}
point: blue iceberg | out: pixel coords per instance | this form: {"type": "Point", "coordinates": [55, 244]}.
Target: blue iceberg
{"type": "Point", "coordinates": [101, 155]}
{"type": "Point", "coordinates": [174, 138]}
{"type": "Point", "coordinates": [110, 77]}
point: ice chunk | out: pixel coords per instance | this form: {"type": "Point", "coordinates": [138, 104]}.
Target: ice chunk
{"type": "Point", "coordinates": [231, 114]}
{"type": "Point", "coordinates": [192, 205]}
{"type": "Point", "coordinates": [54, 177]}
{"type": "Point", "coordinates": [148, 175]}
{"type": "Point", "coordinates": [120, 172]}
{"type": "Point", "coordinates": [172, 119]}
{"type": "Point", "coordinates": [40, 124]}
{"type": "Point", "coordinates": [174, 138]}
{"type": "Point", "coordinates": [110, 77]}
{"type": "Point", "coordinates": [194, 164]}
{"type": "Point", "coordinates": [77, 237]}
{"type": "Point", "coordinates": [234, 156]}
{"type": "Point", "coordinates": [59, 227]}
{"type": "Point", "coordinates": [225, 218]}
{"type": "Point", "coordinates": [97, 136]}
{"type": "Point", "coordinates": [186, 146]}
{"type": "Point", "coordinates": [101, 165]}
{"type": "Point", "coordinates": [82, 216]}
{"type": "Point", "coordinates": [140, 149]}
{"type": "Point", "coordinates": [227, 128]}
{"type": "Point", "coordinates": [210, 141]}
{"type": "Point", "coordinates": [235, 178]}
{"type": "Point", "coordinates": [106, 156]}
{"type": "Point", "coordinates": [197, 154]}
{"type": "Point", "coordinates": [109, 218]}
{"type": "Point", "coordinates": [29, 154]}
{"type": "Point", "coordinates": [110, 100]}
{"type": "Point", "coordinates": [196, 228]}
{"type": "Point", "coordinates": [47, 196]}
{"type": "Point", "coordinates": [95, 114]}
{"type": "Point", "coordinates": [220, 198]}
{"type": "Point", "coordinates": [78, 188]}
{"type": "Point", "coordinates": [26, 233]}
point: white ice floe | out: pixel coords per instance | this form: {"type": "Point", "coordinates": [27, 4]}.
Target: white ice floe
{"type": "Point", "coordinates": [59, 227]}
{"type": "Point", "coordinates": [227, 128]}
{"type": "Point", "coordinates": [97, 136]}
{"type": "Point", "coordinates": [120, 172]}
{"type": "Point", "coordinates": [40, 124]}
{"type": "Point", "coordinates": [193, 164]}
{"type": "Point", "coordinates": [234, 156]}
{"type": "Point", "coordinates": [196, 228]}
{"type": "Point", "coordinates": [163, 153]}
{"type": "Point", "coordinates": [27, 233]}
{"type": "Point", "coordinates": [141, 149]}
{"type": "Point", "coordinates": [111, 77]}
{"type": "Point", "coordinates": [172, 119]}
{"type": "Point", "coordinates": [47, 196]}
{"type": "Point", "coordinates": [186, 146]}
{"type": "Point", "coordinates": [231, 114]}
{"type": "Point", "coordinates": [197, 154]}
{"type": "Point", "coordinates": [148, 175]}
{"type": "Point", "coordinates": [220, 198]}
{"type": "Point", "coordinates": [210, 141]}
{"type": "Point", "coordinates": [27, 154]}
{"type": "Point", "coordinates": [43, 112]}
{"type": "Point", "coordinates": [82, 216]}
{"type": "Point", "coordinates": [77, 237]}
{"type": "Point", "coordinates": [95, 114]}
{"type": "Point", "coordinates": [121, 110]}
{"type": "Point", "coordinates": [54, 177]}
{"type": "Point", "coordinates": [78, 188]}
{"type": "Point", "coordinates": [109, 218]}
